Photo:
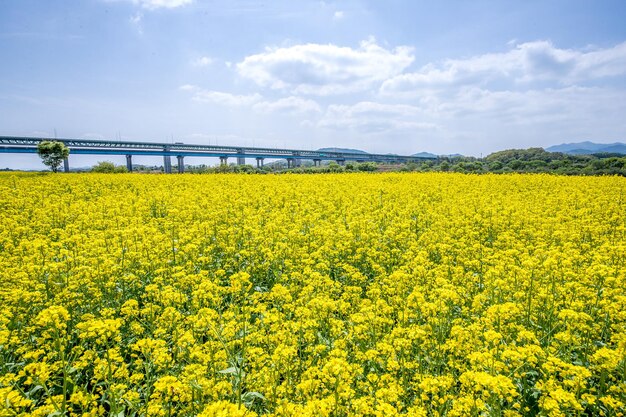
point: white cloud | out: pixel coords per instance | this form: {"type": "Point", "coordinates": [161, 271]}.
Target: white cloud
{"type": "Point", "coordinates": [255, 101]}
{"type": "Point", "coordinates": [288, 105]}
{"type": "Point", "coordinates": [203, 61]}
{"type": "Point", "coordinates": [338, 15]}
{"type": "Point", "coordinates": [533, 93]}
{"type": "Point", "coordinates": [136, 22]}
{"type": "Point", "coordinates": [95, 136]}
{"type": "Point", "coordinates": [325, 69]}
{"type": "Point", "coordinates": [161, 4]}
{"type": "Point", "coordinates": [568, 104]}
{"type": "Point", "coordinates": [221, 98]}
{"type": "Point", "coordinates": [526, 63]}
{"type": "Point", "coordinates": [370, 117]}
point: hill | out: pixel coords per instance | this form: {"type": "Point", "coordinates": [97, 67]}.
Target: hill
{"type": "Point", "coordinates": [425, 155]}
{"type": "Point", "coordinates": [345, 150]}
{"type": "Point", "coordinates": [586, 148]}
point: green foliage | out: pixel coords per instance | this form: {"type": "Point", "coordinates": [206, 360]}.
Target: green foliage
{"type": "Point", "coordinates": [533, 160]}
{"type": "Point", "coordinates": [52, 153]}
{"type": "Point", "coordinates": [107, 167]}
{"type": "Point", "coordinates": [104, 167]}
{"type": "Point", "coordinates": [530, 154]}
{"type": "Point", "coordinates": [334, 167]}
{"type": "Point", "coordinates": [368, 166]}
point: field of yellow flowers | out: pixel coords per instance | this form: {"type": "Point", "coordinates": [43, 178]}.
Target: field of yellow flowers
{"type": "Point", "coordinates": [323, 295]}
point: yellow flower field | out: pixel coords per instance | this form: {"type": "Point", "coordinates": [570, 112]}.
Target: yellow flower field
{"type": "Point", "coordinates": [322, 295]}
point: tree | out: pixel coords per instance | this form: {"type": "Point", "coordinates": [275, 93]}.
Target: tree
{"type": "Point", "coordinates": [368, 166]}
{"type": "Point", "coordinates": [107, 167]}
{"type": "Point", "coordinates": [52, 153]}
{"type": "Point", "coordinates": [104, 167]}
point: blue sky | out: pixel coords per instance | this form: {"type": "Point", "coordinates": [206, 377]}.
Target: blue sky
{"type": "Point", "coordinates": [467, 77]}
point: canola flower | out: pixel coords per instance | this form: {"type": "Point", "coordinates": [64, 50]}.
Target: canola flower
{"type": "Point", "coordinates": [330, 295]}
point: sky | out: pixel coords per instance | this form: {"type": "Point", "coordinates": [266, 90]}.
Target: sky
{"type": "Point", "coordinates": [394, 76]}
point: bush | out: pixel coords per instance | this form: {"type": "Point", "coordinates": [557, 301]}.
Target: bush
{"type": "Point", "coordinates": [108, 167]}
{"type": "Point", "coordinates": [104, 167]}
{"type": "Point", "coordinates": [368, 166]}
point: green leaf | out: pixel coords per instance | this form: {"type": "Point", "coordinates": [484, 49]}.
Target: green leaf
{"type": "Point", "coordinates": [249, 397]}
{"type": "Point", "coordinates": [34, 390]}
{"type": "Point", "coordinates": [230, 370]}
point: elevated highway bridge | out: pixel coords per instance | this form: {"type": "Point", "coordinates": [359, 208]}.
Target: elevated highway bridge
{"type": "Point", "coordinates": [17, 144]}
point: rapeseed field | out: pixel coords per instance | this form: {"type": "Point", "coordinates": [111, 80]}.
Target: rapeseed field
{"type": "Point", "coordinates": [322, 295]}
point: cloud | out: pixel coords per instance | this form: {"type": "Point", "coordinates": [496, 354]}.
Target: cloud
{"type": "Point", "coordinates": [525, 63]}
{"type": "Point", "coordinates": [95, 136]}
{"type": "Point", "coordinates": [136, 22]}
{"type": "Point", "coordinates": [219, 97]}
{"type": "Point", "coordinates": [255, 101]}
{"type": "Point", "coordinates": [325, 69]}
{"type": "Point", "coordinates": [161, 4]}
{"type": "Point", "coordinates": [204, 61]}
{"type": "Point", "coordinates": [338, 15]}
{"type": "Point", "coordinates": [526, 108]}
{"type": "Point", "coordinates": [371, 117]}
{"type": "Point", "coordinates": [288, 105]}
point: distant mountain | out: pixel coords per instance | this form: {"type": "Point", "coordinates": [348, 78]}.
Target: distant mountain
{"type": "Point", "coordinates": [345, 150]}
{"type": "Point", "coordinates": [432, 155]}
{"type": "Point", "coordinates": [585, 148]}
{"type": "Point", "coordinates": [424, 155]}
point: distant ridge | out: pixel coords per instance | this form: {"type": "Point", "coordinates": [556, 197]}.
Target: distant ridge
{"type": "Point", "coordinates": [432, 155]}
{"type": "Point", "coordinates": [424, 155]}
{"type": "Point", "coordinates": [341, 150]}
{"type": "Point", "coordinates": [586, 148]}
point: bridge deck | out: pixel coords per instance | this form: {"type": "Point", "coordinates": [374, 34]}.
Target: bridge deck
{"type": "Point", "coordinates": [16, 144]}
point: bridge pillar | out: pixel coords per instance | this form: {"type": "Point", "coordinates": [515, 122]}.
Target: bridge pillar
{"type": "Point", "coordinates": [167, 164]}
{"type": "Point", "coordinates": [297, 161]}
{"type": "Point", "coordinates": [181, 163]}
{"type": "Point", "coordinates": [66, 165]}
{"type": "Point", "coordinates": [290, 163]}
{"type": "Point", "coordinates": [241, 160]}
{"type": "Point", "coordinates": [259, 162]}
{"type": "Point", "coordinates": [223, 160]}
{"type": "Point", "coordinates": [317, 162]}
{"type": "Point", "coordinates": [129, 163]}
{"type": "Point", "coordinates": [167, 161]}
{"type": "Point", "coordinates": [341, 162]}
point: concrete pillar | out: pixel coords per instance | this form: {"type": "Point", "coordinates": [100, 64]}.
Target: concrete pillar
{"type": "Point", "coordinates": [317, 162]}
{"type": "Point", "coordinates": [167, 161]}
{"type": "Point", "coordinates": [181, 163]}
{"type": "Point", "coordinates": [259, 162]}
{"type": "Point", "coordinates": [167, 164]}
{"type": "Point", "coordinates": [241, 160]}
{"type": "Point", "coordinates": [290, 162]}
{"type": "Point", "coordinates": [297, 161]}
{"type": "Point", "coordinates": [66, 165]}
{"type": "Point", "coordinates": [129, 163]}
{"type": "Point", "coordinates": [223, 160]}
{"type": "Point", "coordinates": [341, 162]}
